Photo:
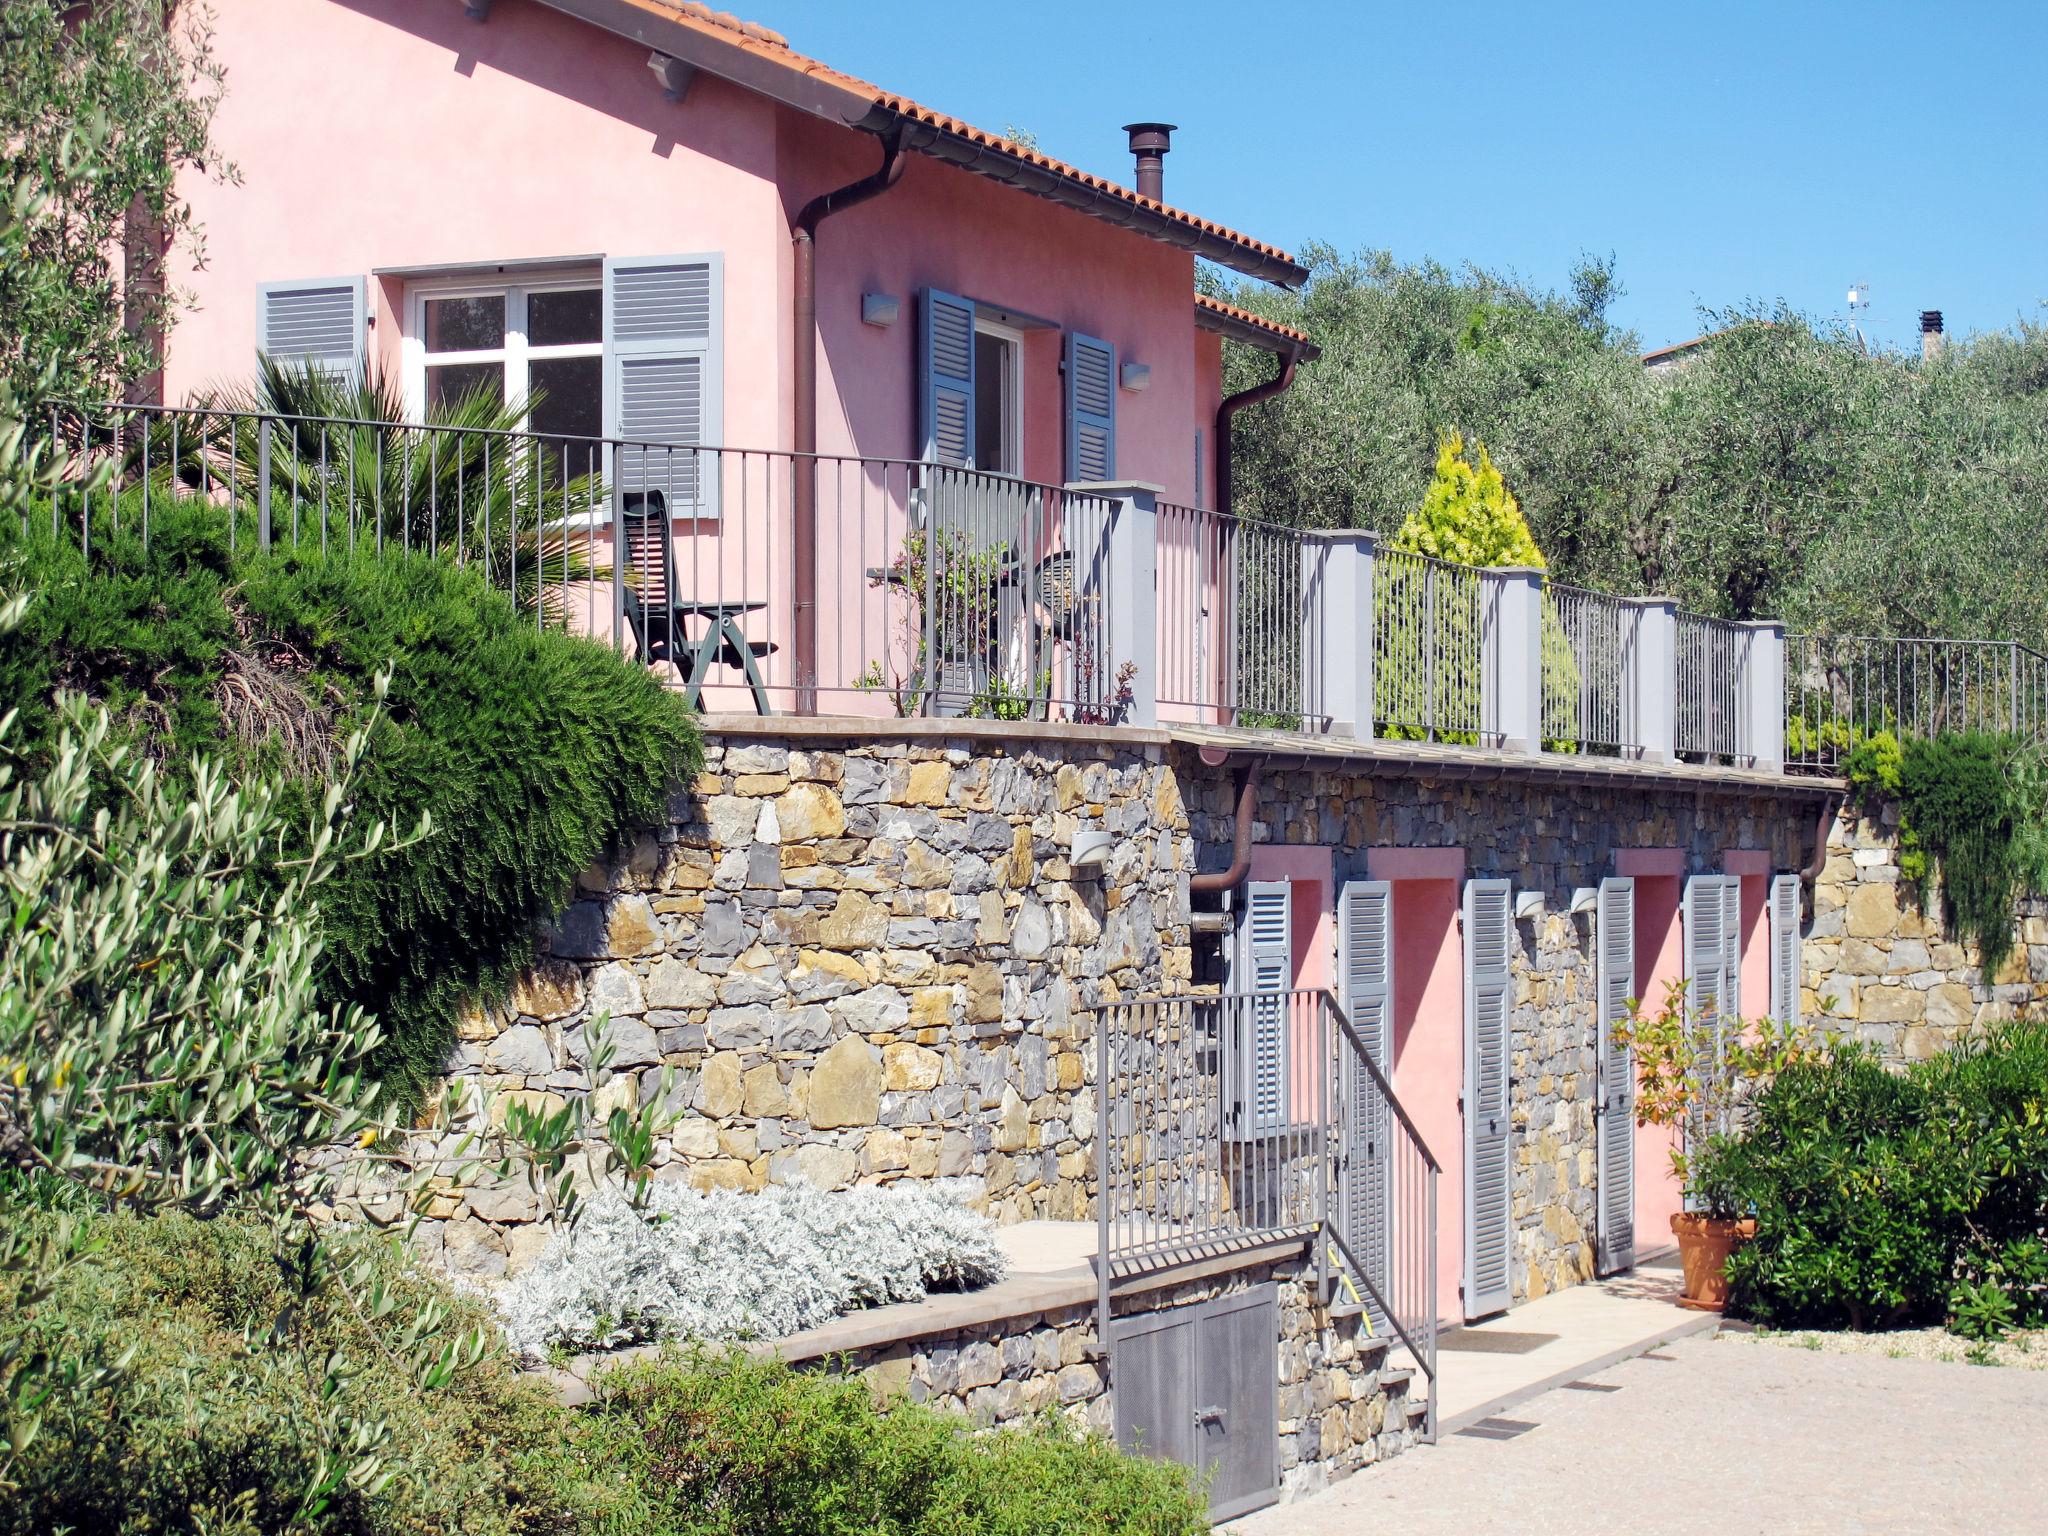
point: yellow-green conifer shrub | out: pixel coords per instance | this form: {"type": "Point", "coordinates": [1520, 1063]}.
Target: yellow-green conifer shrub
{"type": "Point", "coordinates": [1467, 516]}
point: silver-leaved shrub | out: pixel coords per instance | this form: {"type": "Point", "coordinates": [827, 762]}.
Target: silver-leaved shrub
{"type": "Point", "coordinates": [727, 1265]}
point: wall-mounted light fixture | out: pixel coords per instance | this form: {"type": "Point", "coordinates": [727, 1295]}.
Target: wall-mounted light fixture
{"type": "Point", "coordinates": [880, 309]}
{"type": "Point", "coordinates": [1584, 900]}
{"type": "Point", "coordinates": [675, 76]}
{"type": "Point", "coordinates": [1135, 376]}
{"type": "Point", "coordinates": [1528, 904]}
{"type": "Point", "coordinates": [1090, 853]}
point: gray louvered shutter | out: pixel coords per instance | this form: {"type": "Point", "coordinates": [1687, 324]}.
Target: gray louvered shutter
{"type": "Point", "coordinates": [1255, 1100]}
{"type": "Point", "coordinates": [1785, 949]}
{"type": "Point", "coordinates": [318, 323]}
{"type": "Point", "coordinates": [945, 394]}
{"type": "Point", "coordinates": [1091, 408]}
{"type": "Point", "coordinates": [1365, 985]}
{"type": "Point", "coordinates": [1706, 956]}
{"type": "Point", "coordinates": [663, 316]}
{"type": "Point", "coordinates": [1489, 916]}
{"type": "Point", "coordinates": [1615, 1103]}
{"type": "Point", "coordinates": [1731, 958]}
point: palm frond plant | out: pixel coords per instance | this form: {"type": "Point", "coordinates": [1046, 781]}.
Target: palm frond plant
{"type": "Point", "coordinates": [343, 464]}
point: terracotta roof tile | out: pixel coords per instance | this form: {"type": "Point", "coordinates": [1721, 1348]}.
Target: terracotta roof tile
{"type": "Point", "coordinates": [772, 45]}
{"type": "Point", "coordinates": [1246, 317]}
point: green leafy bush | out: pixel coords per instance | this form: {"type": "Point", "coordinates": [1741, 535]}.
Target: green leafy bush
{"type": "Point", "coordinates": [1973, 809]}
{"type": "Point", "coordinates": [208, 1428]}
{"type": "Point", "coordinates": [1884, 1198]}
{"type": "Point", "coordinates": [711, 1445]}
{"type": "Point", "coordinates": [534, 751]}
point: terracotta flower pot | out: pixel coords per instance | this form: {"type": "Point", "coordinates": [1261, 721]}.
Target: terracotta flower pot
{"type": "Point", "coordinates": [1703, 1248]}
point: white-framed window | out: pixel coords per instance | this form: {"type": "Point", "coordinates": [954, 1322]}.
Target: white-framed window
{"type": "Point", "coordinates": [539, 339]}
{"type": "Point", "coordinates": [998, 397]}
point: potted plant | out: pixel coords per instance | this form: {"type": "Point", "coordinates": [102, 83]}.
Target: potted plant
{"type": "Point", "coordinates": [1696, 1073]}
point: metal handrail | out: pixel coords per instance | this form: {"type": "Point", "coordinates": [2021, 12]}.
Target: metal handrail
{"type": "Point", "coordinates": [1222, 1124]}
{"type": "Point", "coordinates": [1423, 1352]}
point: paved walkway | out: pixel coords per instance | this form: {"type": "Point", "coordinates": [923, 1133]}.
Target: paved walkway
{"type": "Point", "coordinates": [1728, 1437]}
{"type": "Point", "coordinates": [1486, 1367]}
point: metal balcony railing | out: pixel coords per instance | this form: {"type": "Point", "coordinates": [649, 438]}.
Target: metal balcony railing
{"type": "Point", "coordinates": [1239, 622]}
{"type": "Point", "coordinates": [939, 591]}
{"type": "Point", "coordinates": [1840, 690]}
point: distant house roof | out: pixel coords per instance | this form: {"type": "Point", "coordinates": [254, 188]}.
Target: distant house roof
{"type": "Point", "coordinates": [1253, 330]}
{"type": "Point", "coordinates": [1681, 351]}
{"type": "Point", "coordinates": [762, 60]}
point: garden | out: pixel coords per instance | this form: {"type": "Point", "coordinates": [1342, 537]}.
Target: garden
{"type": "Point", "coordinates": [1829, 1191]}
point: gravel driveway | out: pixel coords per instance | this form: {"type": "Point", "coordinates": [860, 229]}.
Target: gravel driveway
{"type": "Point", "coordinates": [1727, 1436]}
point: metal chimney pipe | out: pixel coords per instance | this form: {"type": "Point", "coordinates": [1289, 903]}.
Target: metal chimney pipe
{"type": "Point", "coordinates": [1149, 143]}
{"type": "Point", "coordinates": [1932, 337]}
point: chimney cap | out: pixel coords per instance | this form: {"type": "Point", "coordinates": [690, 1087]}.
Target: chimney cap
{"type": "Point", "coordinates": [1156, 137]}
{"type": "Point", "coordinates": [1930, 322]}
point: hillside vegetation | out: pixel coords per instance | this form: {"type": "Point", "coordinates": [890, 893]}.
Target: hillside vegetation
{"type": "Point", "coordinates": [1781, 472]}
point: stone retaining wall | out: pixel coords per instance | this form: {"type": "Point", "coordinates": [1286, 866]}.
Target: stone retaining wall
{"type": "Point", "coordinates": [864, 962]}
{"type": "Point", "coordinates": [1340, 1407]}
{"type": "Point", "coordinates": [868, 960]}
{"type": "Point", "coordinates": [1883, 967]}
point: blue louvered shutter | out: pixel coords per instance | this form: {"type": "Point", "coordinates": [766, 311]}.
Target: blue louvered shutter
{"type": "Point", "coordinates": [663, 318]}
{"type": "Point", "coordinates": [1489, 915]}
{"type": "Point", "coordinates": [1091, 408]}
{"type": "Point", "coordinates": [1255, 1097]}
{"type": "Point", "coordinates": [1365, 985]}
{"type": "Point", "coordinates": [945, 379]}
{"type": "Point", "coordinates": [1785, 949]}
{"type": "Point", "coordinates": [1615, 1098]}
{"type": "Point", "coordinates": [316, 324]}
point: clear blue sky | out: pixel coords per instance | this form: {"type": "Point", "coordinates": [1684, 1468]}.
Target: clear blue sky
{"type": "Point", "coordinates": [1722, 152]}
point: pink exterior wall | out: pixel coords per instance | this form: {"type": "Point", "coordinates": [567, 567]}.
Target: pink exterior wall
{"type": "Point", "coordinates": [1429, 1034]}
{"type": "Point", "coordinates": [1660, 961]}
{"type": "Point", "coordinates": [377, 137]}
{"type": "Point", "coordinates": [1754, 978]}
{"type": "Point", "coordinates": [381, 134]}
{"type": "Point", "coordinates": [378, 134]}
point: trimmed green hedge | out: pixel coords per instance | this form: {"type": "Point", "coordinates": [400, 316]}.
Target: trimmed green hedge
{"type": "Point", "coordinates": [534, 751]}
{"type": "Point", "coordinates": [1885, 1198]}
{"type": "Point", "coordinates": [726, 1445]}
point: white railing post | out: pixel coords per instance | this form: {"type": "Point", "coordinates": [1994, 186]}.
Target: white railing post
{"type": "Point", "coordinates": [1652, 686]}
{"type": "Point", "coordinates": [1130, 590]}
{"type": "Point", "coordinates": [1512, 705]}
{"type": "Point", "coordinates": [1336, 629]}
{"type": "Point", "coordinates": [1763, 705]}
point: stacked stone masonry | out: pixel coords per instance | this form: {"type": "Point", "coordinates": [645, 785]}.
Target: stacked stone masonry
{"type": "Point", "coordinates": [862, 963]}
{"type": "Point", "coordinates": [1883, 969]}
{"type": "Point", "coordinates": [867, 960]}
{"type": "Point", "coordinates": [1341, 1405]}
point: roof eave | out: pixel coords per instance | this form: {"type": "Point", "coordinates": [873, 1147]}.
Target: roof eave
{"type": "Point", "coordinates": [827, 99]}
{"type": "Point", "coordinates": [1234, 329]}
{"type": "Point", "coordinates": [999, 164]}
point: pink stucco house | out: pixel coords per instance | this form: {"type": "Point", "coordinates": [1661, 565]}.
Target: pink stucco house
{"type": "Point", "coordinates": [673, 228]}
{"type": "Point", "coordinates": [854, 410]}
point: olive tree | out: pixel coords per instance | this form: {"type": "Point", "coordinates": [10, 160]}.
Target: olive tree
{"type": "Point", "coordinates": [83, 278]}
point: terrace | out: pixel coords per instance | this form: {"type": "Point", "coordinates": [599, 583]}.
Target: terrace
{"type": "Point", "coordinates": [772, 583]}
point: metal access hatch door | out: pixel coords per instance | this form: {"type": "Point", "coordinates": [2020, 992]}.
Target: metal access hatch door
{"type": "Point", "coordinates": [1200, 1385]}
